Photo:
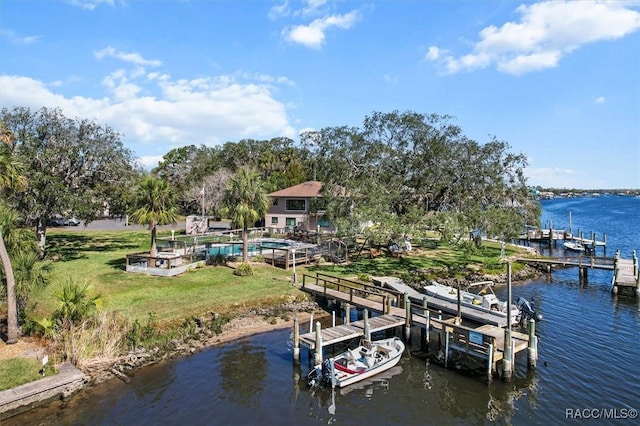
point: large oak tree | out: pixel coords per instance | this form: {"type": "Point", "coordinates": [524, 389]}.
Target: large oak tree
{"type": "Point", "coordinates": [75, 166]}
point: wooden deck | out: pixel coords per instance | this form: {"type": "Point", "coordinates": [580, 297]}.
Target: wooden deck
{"type": "Point", "coordinates": [626, 274]}
{"type": "Point", "coordinates": [594, 262]}
{"type": "Point", "coordinates": [341, 333]}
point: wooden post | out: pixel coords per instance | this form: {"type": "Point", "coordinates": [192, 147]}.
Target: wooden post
{"type": "Point", "coordinates": [507, 368]}
{"type": "Point", "coordinates": [311, 323]}
{"type": "Point", "coordinates": [333, 318]}
{"type": "Point", "coordinates": [389, 304]}
{"type": "Point", "coordinates": [347, 313]}
{"type": "Point", "coordinates": [490, 363]}
{"type": "Point", "coordinates": [407, 318]}
{"type": "Point", "coordinates": [532, 349]}
{"type": "Point", "coordinates": [367, 329]}
{"type": "Point", "coordinates": [296, 340]}
{"type": "Point", "coordinates": [442, 330]}
{"type": "Point", "coordinates": [333, 375]}
{"type": "Point", "coordinates": [458, 320]}
{"type": "Point", "coordinates": [446, 348]}
{"type": "Point", "coordinates": [318, 354]}
{"type": "Point", "coordinates": [425, 340]}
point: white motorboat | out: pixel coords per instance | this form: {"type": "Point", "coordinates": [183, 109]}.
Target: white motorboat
{"type": "Point", "coordinates": [354, 365]}
{"type": "Point", "coordinates": [479, 307]}
{"type": "Point", "coordinates": [574, 246]}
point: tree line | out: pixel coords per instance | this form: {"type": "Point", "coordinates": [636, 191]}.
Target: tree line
{"type": "Point", "coordinates": [402, 172]}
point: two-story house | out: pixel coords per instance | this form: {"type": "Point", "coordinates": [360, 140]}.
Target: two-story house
{"type": "Point", "coordinates": [297, 206]}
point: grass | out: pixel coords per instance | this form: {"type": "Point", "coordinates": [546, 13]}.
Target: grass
{"type": "Point", "coordinates": [17, 371]}
{"type": "Point", "coordinates": [98, 258]}
{"type": "Point", "coordinates": [443, 260]}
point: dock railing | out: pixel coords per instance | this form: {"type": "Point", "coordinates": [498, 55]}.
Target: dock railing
{"type": "Point", "coordinates": [353, 289]}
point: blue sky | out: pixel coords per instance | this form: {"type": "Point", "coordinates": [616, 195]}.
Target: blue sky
{"type": "Point", "coordinates": [558, 80]}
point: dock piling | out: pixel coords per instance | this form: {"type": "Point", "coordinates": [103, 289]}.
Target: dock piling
{"type": "Point", "coordinates": [367, 327]}
{"type": "Point", "coordinates": [490, 363]}
{"type": "Point", "coordinates": [347, 313]}
{"type": "Point", "coordinates": [407, 318]}
{"type": "Point", "coordinates": [427, 323]}
{"type": "Point", "coordinates": [318, 354]}
{"type": "Point", "coordinates": [532, 349]}
{"type": "Point", "coordinates": [296, 340]}
{"type": "Point", "coordinates": [507, 367]}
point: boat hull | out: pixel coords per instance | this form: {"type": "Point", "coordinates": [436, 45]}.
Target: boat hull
{"type": "Point", "coordinates": [474, 310]}
{"type": "Point", "coordinates": [363, 362]}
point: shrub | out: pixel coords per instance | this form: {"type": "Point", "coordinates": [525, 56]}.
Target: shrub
{"type": "Point", "coordinates": [364, 277]}
{"type": "Point", "coordinates": [217, 260]}
{"type": "Point", "coordinates": [244, 270]}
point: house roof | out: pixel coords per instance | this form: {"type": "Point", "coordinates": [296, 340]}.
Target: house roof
{"type": "Point", "coordinates": [306, 189]}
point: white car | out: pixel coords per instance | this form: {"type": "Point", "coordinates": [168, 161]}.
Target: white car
{"type": "Point", "coordinates": [71, 222]}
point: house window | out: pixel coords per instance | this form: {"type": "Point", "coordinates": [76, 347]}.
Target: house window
{"type": "Point", "coordinates": [297, 205]}
{"type": "Point", "coordinates": [274, 220]}
{"type": "Point", "coordinates": [323, 222]}
{"type": "Point", "coordinates": [291, 221]}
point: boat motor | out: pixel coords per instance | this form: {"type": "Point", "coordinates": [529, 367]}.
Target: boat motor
{"type": "Point", "coordinates": [527, 311]}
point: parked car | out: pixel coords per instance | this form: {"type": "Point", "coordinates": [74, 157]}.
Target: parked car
{"type": "Point", "coordinates": [56, 222]}
{"type": "Point", "coordinates": [71, 222]}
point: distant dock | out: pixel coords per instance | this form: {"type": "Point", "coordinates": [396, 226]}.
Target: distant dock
{"type": "Point", "coordinates": [625, 271]}
{"type": "Point", "coordinates": [553, 237]}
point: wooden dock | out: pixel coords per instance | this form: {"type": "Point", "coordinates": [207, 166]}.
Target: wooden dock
{"type": "Point", "coordinates": [487, 342]}
{"type": "Point", "coordinates": [626, 275]}
{"type": "Point", "coordinates": [582, 261]}
{"type": "Point", "coordinates": [354, 330]}
{"type": "Point", "coordinates": [554, 236]}
{"type": "Point", "coordinates": [625, 271]}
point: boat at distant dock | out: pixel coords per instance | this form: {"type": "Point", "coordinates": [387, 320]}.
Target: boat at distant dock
{"type": "Point", "coordinates": [574, 246]}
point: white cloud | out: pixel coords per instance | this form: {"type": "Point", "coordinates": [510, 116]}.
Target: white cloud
{"type": "Point", "coordinates": [279, 10]}
{"type": "Point", "coordinates": [14, 38]}
{"type": "Point", "coordinates": [313, 35]}
{"type": "Point", "coordinates": [134, 58]}
{"type": "Point", "coordinates": [390, 79]}
{"type": "Point", "coordinates": [92, 4]}
{"type": "Point", "coordinates": [150, 161]}
{"type": "Point", "coordinates": [161, 112]}
{"type": "Point", "coordinates": [545, 33]}
{"type": "Point", "coordinates": [599, 100]}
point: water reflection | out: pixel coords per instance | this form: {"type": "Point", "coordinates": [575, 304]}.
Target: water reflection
{"type": "Point", "coordinates": [243, 373]}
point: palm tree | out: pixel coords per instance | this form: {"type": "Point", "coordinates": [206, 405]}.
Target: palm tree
{"type": "Point", "coordinates": [247, 201]}
{"type": "Point", "coordinates": [74, 303]}
{"type": "Point", "coordinates": [21, 245]}
{"type": "Point", "coordinates": [12, 179]}
{"type": "Point", "coordinates": [155, 205]}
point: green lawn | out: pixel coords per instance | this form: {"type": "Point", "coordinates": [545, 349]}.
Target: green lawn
{"type": "Point", "coordinates": [98, 258]}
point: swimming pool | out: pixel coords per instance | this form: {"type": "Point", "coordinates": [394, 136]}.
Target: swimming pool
{"type": "Point", "coordinates": [254, 247]}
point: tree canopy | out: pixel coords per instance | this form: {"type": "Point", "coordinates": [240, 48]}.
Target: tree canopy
{"type": "Point", "coordinates": [76, 166]}
{"type": "Point", "coordinates": [408, 171]}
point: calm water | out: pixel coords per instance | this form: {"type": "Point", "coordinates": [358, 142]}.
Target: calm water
{"type": "Point", "coordinates": [589, 359]}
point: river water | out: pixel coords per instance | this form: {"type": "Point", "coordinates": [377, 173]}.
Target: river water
{"type": "Point", "coordinates": [588, 367]}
